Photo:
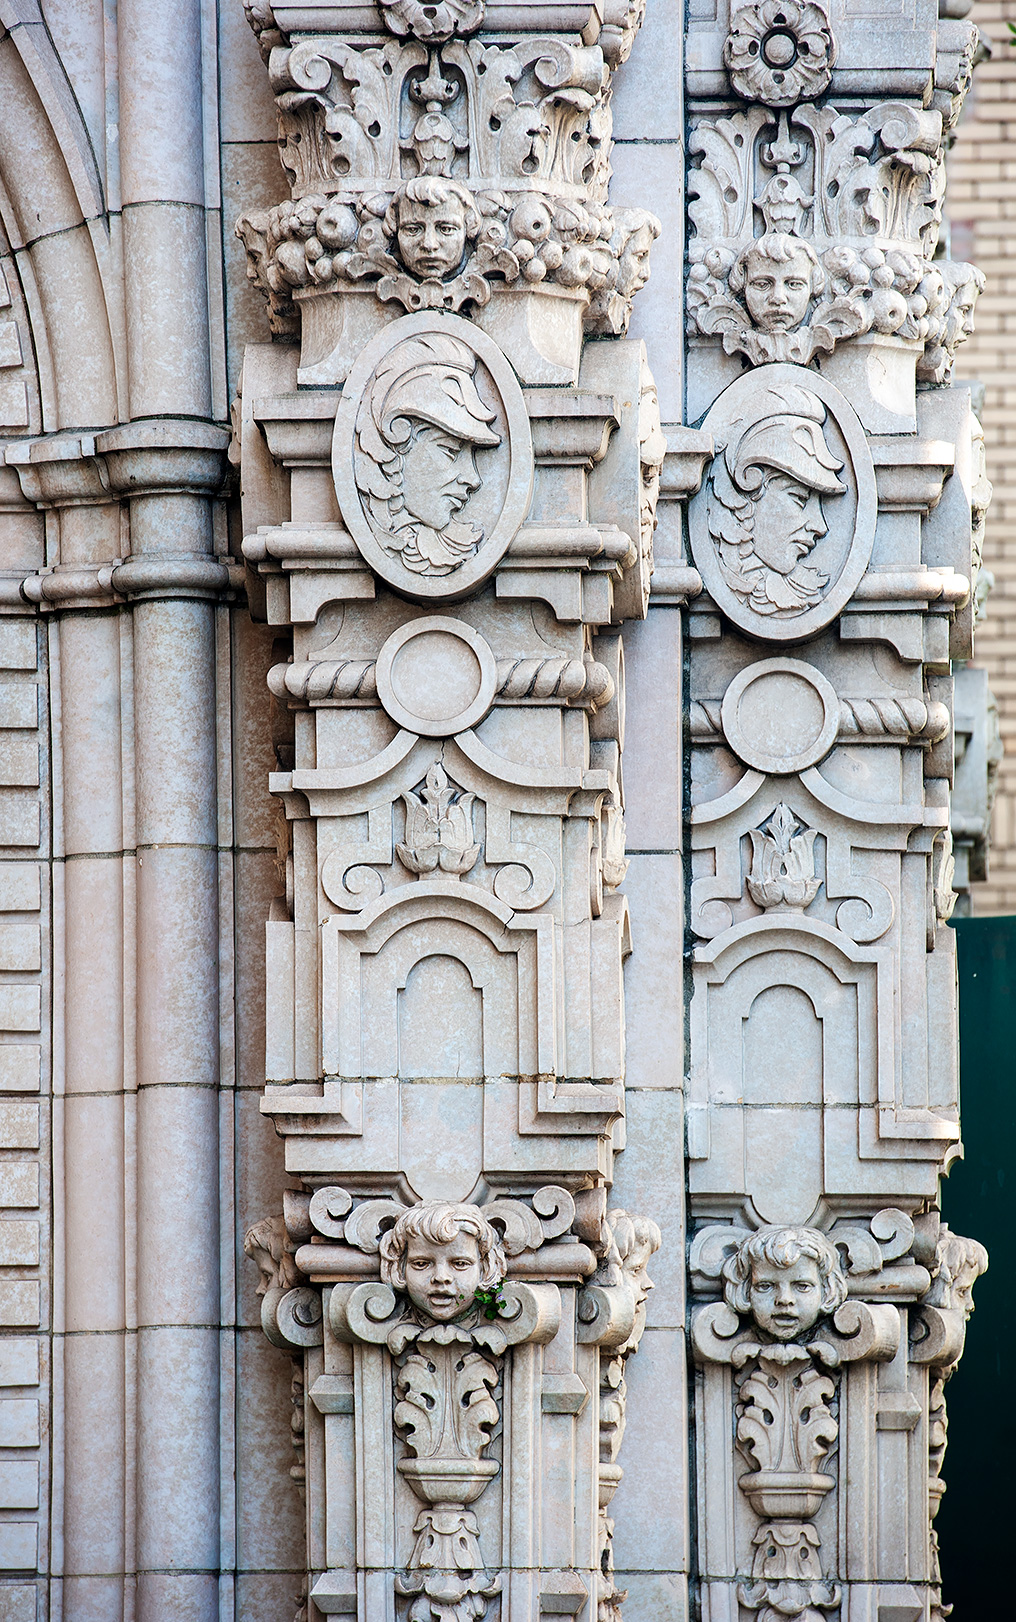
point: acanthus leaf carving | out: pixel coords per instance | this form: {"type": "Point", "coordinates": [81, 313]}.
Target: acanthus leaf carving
{"type": "Point", "coordinates": [813, 226]}
{"type": "Point", "coordinates": [433, 173]}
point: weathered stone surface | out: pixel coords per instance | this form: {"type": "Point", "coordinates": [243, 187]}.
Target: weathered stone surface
{"type": "Point", "coordinates": [346, 726]}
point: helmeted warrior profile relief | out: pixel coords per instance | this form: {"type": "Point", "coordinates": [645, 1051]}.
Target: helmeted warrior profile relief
{"type": "Point", "coordinates": [418, 428]}
{"type": "Point", "coordinates": [765, 505]}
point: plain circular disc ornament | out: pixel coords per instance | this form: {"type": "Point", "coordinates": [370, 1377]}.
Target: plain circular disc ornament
{"type": "Point", "coordinates": [780, 716]}
{"type": "Point", "coordinates": [783, 526]}
{"type": "Point", "coordinates": [432, 456]}
{"type": "Point", "coordinates": [436, 676]}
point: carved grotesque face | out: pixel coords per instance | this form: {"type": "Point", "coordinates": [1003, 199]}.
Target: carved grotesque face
{"type": "Point", "coordinates": [438, 476]}
{"type": "Point", "coordinates": [441, 1279]}
{"type": "Point", "coordinates": [777, 295]}
{"type": "Point", "coordinates": [788, 522]}
{"type": "Point", "coordinates": [785, 1301]}
{"type": "Point", "coordinates": [432, 237]}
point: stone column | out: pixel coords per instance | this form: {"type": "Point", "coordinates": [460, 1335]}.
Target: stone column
{"type": "Point", "coordinates": [92, 1114]}
{"type": "Point", "coordinates": [171, 579]}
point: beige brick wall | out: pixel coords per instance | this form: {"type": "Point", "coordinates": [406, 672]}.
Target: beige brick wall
{"type": "Point", "coordinates": [982, 212]}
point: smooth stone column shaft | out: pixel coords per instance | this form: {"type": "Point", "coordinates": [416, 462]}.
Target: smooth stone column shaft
{"type": "Point", "coordinates": [94, 1188]}
{"type": "Point", "coordinates": [177, 1056]}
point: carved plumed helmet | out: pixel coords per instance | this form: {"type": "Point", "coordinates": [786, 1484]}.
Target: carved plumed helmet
{"type": "Point", "coordinates": [790, 442]}
{"type": "Point", "coordinates": [783, 1247]}
{"type": "Point", "coordinates": [428, 380]}
{"type": "Point", "coordinates": [440, 1222]}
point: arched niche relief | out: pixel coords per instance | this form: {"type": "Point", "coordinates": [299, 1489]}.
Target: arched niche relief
{"type": "Point", "coordinates": [404, 989]}
{"type": "Point", "coordinates": [800, 1027]}
{"type": "Point", "coordinates": [440, 1019]}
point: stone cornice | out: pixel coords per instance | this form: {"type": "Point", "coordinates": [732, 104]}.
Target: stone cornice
{"type": "Point", "coordinates": [153, 456]}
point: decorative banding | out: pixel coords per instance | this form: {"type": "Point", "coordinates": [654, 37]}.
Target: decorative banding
{"type": "Point", "coordinates": [879, 720]}
{"type": "Point", "coordinates": [572, 681]}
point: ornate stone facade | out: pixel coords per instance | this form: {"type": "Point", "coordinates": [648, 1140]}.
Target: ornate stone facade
{"type": "Point", "coordinates": [398, 1077]}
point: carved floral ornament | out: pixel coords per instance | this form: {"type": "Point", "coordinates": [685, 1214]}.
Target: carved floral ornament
{"type": "Point", "coordinates": [432, 456]}
{"type": "Point", "coordinates": [783, 526]}
{"type": "Point", "coordinates": [779, 51]}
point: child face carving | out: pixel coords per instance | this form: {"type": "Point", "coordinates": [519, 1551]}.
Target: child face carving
{"type": "Point", "coordinates": [442, 1279]}
{"type": "Point", "coordinates": [432, 237]}
{"type": "Point", "coordinates": [785, 1301]}
{"type": "Point", "coordinates": [777, 295]}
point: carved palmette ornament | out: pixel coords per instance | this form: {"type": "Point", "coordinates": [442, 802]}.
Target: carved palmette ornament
{"type": "Point", "coordinates": [432, 22]}
{"type": "Point", "coordinates": [782, 863]}
{"type": "Point", "coordinates": [432, 456]}
{"type": "Point", "coordinates": [783, 527]}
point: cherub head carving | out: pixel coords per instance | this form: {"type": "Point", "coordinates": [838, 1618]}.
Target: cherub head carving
{"type": "Point", "coordinates": [765, 505]}
{"type": "Point", "coordinates": [440, 1253]}
{"type": "Point", "coordinates": [631, 1242]}
{"type": "Point", "coordinates": [787, 1278]}
{"type": "Point", "coordinates": [418, 427]}
{"type": "Point", "coordinates": [778, 276]}
{"type": "Point", "coordinates": [963, 283]}
{"type": "Point", "coordinates": [431, 220]}
{"type": "Point", "coordinates": [960, 1263]}
{"type": "Point", "coordinates": [637, 231]}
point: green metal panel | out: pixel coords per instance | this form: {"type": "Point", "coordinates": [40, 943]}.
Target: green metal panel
{"type": "Point", "coordinates": [975, 1523]}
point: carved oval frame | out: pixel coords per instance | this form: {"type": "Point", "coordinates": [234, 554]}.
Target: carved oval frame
{"type": "Point", "coordinates": [513, 425]}
{"type": "Point", "coordinates": [734, 403]}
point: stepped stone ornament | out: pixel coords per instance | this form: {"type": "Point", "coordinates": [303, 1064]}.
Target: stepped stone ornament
{"type": "Point", "coordinates": [463, 517]}
{"type": "Point", "coordinates": [456, 496]}
{"type": "Point", "coordinates": [783, 528]}
{"type": "Point", "coordinates": [779, 53]}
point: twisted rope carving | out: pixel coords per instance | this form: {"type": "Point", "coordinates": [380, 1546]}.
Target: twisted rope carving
{"type": "Point", "coordinates": [323, 679]}
{"type": "Point", "coordinates": [894, 718]}
{"type": "Point", "coordinates": [903, 718]}
{"type": "Point", "coordinates": [567, 680]}
{"type": "Point", "coordinates": [558, 678]}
